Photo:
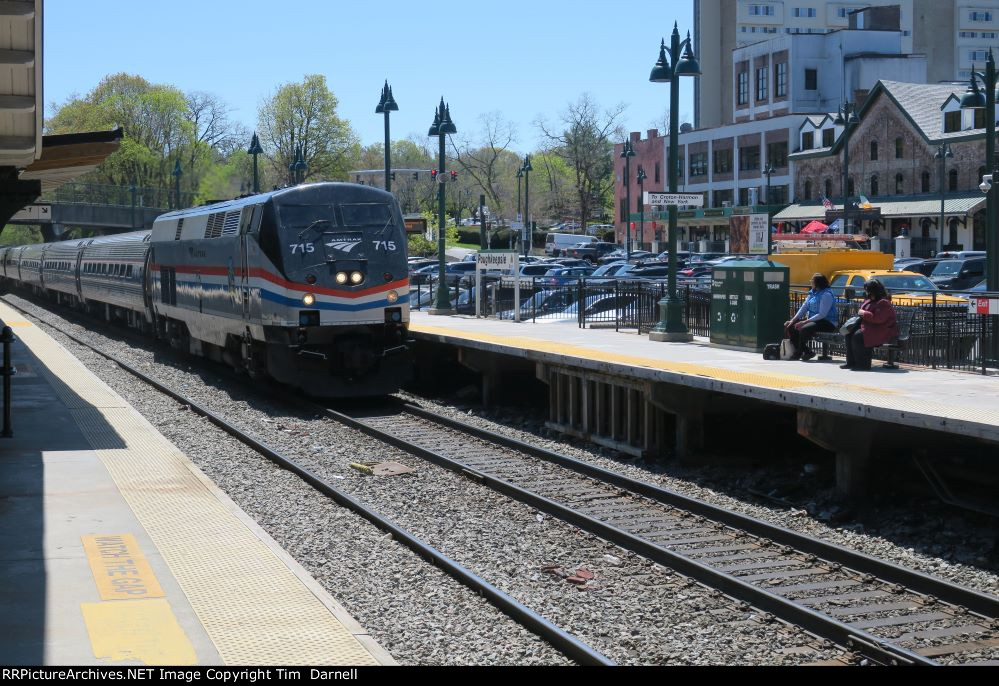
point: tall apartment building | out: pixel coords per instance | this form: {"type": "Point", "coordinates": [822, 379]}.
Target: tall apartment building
{"type": "Point", "coordinates": [952, 34]}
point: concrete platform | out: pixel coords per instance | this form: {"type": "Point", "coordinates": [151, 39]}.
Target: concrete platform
{"type": "Point", "coordinates": [117, 550]}
{"type": "Point", "coordinates": [941, 401]}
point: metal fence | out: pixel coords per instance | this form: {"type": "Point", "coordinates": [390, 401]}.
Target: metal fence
{"type": "Point", "coordinates": [118, 196]}
{"type": "Point", "coordinates": [617, 304]}
{"type": "Point", "coordinates": [945, 333]}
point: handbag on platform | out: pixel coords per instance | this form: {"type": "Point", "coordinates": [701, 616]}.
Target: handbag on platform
{"type": "Point", "coordinates": [787, 349]}
{"type": "Point", "coordinates": [850, 325]}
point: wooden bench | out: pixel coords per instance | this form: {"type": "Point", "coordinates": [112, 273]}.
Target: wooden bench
{"type": "Point", "coordinates": [903, 317]}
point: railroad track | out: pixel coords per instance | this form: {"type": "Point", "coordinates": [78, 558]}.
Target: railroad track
{"type": "Point", "coordinates": [885, 612]}
{"type": "Point", "coordinates": [566, 643]}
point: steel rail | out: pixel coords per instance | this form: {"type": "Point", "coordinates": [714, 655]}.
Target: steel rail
{"type": "Point", "coordinates": [974, 601]}
{"type": "Point", "coordinates": [563, 641]}
{"type": "Point", "coordinates": [821, 625]}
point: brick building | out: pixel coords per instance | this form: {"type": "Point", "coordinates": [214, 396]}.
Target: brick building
{"type": "Point", "coordinates": [894, 163]}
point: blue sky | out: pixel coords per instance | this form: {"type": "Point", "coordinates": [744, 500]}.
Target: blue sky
{"type": "Point", "coordinates": [522, 58]}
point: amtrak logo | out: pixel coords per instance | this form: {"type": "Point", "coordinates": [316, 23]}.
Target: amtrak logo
{"type": "Point", "coordinates": [343, 245]}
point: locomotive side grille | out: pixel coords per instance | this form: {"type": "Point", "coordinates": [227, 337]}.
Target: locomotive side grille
{"type": "Point", "coordinates": [180, 225]}
{"type": "Point", "coordinates": [231, 225]}
{"type": "Point", "coordinates": [214, 227]}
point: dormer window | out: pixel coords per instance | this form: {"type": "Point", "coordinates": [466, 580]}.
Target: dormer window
{"type": "Point", "coordinates": [952, 121]}
{"type": "Point", "coordinates": [828, 138]}
{"type": "Point", "coordinates": [808, 140]}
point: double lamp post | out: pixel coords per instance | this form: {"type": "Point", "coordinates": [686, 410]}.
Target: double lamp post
{"type": "Point", "coordinates": [670, 66]}
{"type": "Point", "coordinates": [441, 127]}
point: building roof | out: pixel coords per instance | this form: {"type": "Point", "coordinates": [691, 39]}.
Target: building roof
{"type": "Point", "coordinates": [920, 103]}
{"type": "Point", "coordinates": [958, 204]}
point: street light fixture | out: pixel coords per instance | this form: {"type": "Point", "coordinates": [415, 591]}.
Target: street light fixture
{"type": "Point", "coordinates": [975, 99]}
{"type": "Point", "coordinates": [176, 174]}
{"type": "Point", "coordinates": [626, 154]}
{"type": "Point", "coordinates": [527, 234]}
{"type": "Point", "coordinates": [847, 118]}
{"type": "Point", "coordinates": [301, 168]}
{"type": "Point", "coordinates": [441, 127]}
{"type": "Point", "coordinates": [670, 66]}
{"type": "Point", "coordinates": [641, 194]}
{"type": "Point", "coordinates": [255, 150]}
{"type": "Point", "coordinates": [944, 153]}
{"type": "Point", "coordinates": [385, 105]}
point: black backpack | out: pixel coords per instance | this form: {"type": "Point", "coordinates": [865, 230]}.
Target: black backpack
{"type": "Point", "coordinates": [771, 351]}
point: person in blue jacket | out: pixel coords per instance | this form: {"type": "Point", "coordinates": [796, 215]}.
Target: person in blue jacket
{"type": "Point", "coordinates": [816, 315]}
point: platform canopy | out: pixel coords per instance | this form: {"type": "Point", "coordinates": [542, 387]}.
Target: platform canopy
{"type": "Point", "coordinates": [956, 205]}
{"type": "Point", "coordinates": [68, 156]}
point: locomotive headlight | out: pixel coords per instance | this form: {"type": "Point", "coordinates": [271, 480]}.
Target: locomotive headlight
{"type": "Point", "coordinates": [356, 277]}
{"type": "Point", "coordinates": [341, 278]}
{"type": "Point", "coordinates": [308, 299]}
{"type": "Point", "coordinates": [392, 297]}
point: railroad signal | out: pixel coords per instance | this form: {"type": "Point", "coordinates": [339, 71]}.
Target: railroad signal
{"type": "Point", "coordinates": [454, 176]}
{"type": "Point", "coordinates": [433, 174]}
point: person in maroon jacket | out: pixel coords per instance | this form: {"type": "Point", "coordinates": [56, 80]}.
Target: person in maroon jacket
{"type": "Point", "coordinates": [877, 327]}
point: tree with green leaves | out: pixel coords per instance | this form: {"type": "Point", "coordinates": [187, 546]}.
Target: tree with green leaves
{"type": "Point", "coordinates": [585, 142]}
{"type": "Point", "coordinates": [305, 115]}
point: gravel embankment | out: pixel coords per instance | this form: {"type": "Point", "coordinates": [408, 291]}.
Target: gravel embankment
{"type": "Point", "coordinates": [632, 610]}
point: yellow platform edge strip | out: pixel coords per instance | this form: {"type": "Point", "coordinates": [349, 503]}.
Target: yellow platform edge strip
{"type": "Point", "coordinates": [771, 380]}
{"type": "Point", "coordinates": [253, 608]}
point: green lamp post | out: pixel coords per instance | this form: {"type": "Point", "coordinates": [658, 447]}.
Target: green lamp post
{"type": "Point", "coordinates": [385, 105]}
{"type": "Point", "coordinates": [441, 127]}
{"type": "Point", "coordinates": [975, 99]}
{"type": "Point", "coordinates": [255, 150]}
{"type": "Point", "coordinates": [526, 236]}
{"type": "Point", "coordinates": [641, 194]}
{"type": "Point", "coordinates": [626, 154]}
{"type": "Point", "coordinates": [176, 174]}
{"type": "Point", "coordinates": [847, 118]}
{"type": "Point", "coordinates": [670, 66]}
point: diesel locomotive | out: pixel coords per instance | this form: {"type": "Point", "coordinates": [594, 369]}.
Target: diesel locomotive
{"type": "Point", "coordinates": [307, 285]}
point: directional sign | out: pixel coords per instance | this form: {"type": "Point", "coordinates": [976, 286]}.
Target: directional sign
{"type": "Point", "coordinates": [34, 213]}
{"type": "Point", "coordinates": [983, 305]}
{"type": "Point", "coordinates": [678, 199]}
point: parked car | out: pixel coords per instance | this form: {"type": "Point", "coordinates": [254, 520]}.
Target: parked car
{"type": "Point", "coordinates": [562, 276]}
{"type": "Point", "coordinates": [593, 306]}
{"type": "Point", "coordinates": [558, 243]}
{"type": "Point", "coordinates": [597, 229]}
{"type": "Point", "coordinates": [456, 271]}
{"type": "Point", "coordinates": [621, 254]}
{"type": "Point", "coordinates": [956, 275]}
{"type": "Point", "coordinates": [544, 303]}
{"type": "Point", "coordinates": [695, 270]}
{"type": "Point", "coordinates": [591, 252]}
{"type": "Point", "coordinates": [960, 254]}
{"type": "Point", "coordinates": [980, 286]}
{"type": "Point", "coordinates": [423, 274]}
{"type": "Point", "coordinates": [924, 267]}
{"type": "Point", "coordinates": [903, 262]}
